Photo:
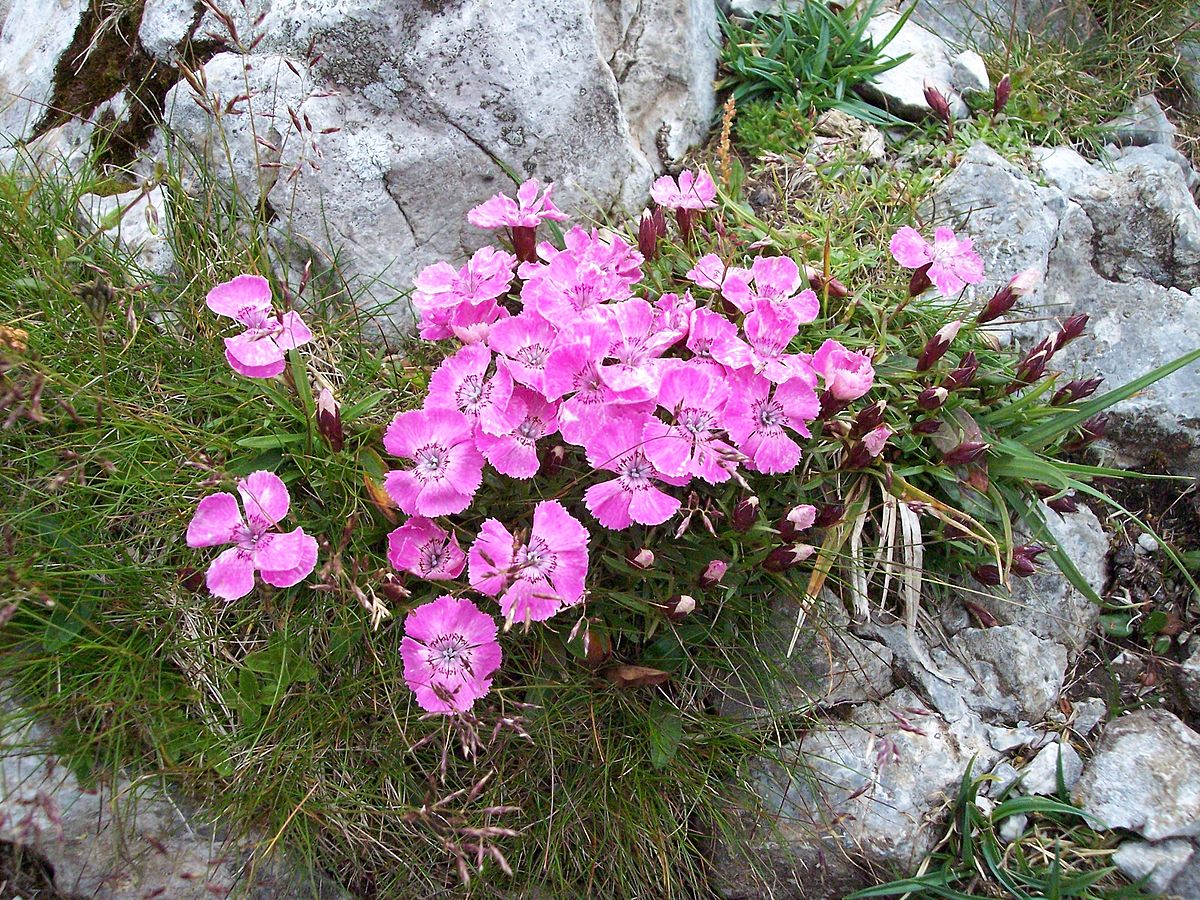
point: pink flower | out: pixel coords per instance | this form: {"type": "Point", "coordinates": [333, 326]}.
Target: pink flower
{"type": "Point", "coordinates": [447, 468]}
{"type": "Point", "coordinates": [691, 444]}
{"type": "Point", "coordinates": [769, 330]}
{"type": "Point", "coordinates": [636, 345]}
{"type": "Point", "coordinates": [539, 577]}
{"type": "Point", "coordinates": [953, 264]}
{"type": "Point", "coordinates": [514, 453]}
{"type": "Point", "coordinates": [259, 351]}
{"type": "Point", "coordinates": [422, 547]}
{"type": "Point", "coordinates": [775, 280]}
{"type": "Point", "coordinates": [525, 342]}
{"type": "Point", "coordinates": [875, 440]}
{"type": "Point", "coordinates": [758, 412]}
{"type": "Point", "coordinates": [847, 375]}
{"type": "Point", "coordinates": [454, 302]}
{"type": "Point", "coordinates": [711, 272]}
{"type": "Point", "coordinates": [284, 559]}
{"type": "Point", "coordinates": [527, 211]}
{"type": "Point", "coordinates": [672, 315]}
{"type": "Point", "coordinates": [461, 382]}
{"type": "Point", "coordinates": [693, 190]}
{"type": "Point", "coordinates": [450, 653]}
{"type": "Point", "coordinates": [712, 338]}
{"type": "Point", "coordinates": [593, 269]}
{"type": "Point", "coordinates": [576, 367]}
{"type": "Point", "coordinates": [633, 495]}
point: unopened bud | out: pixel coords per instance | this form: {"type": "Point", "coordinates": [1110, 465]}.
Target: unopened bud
{"type": "Point", "coordinates": [787, 556]}
{"type": "Point", "coordinates": [869, 418]}
{"type": "Point", "coordinates": [1024, 557]}
{"type": "Point", "coordinates": [796, 521]}
{"type": "Point", "coordinates": [524, 241]}
{"type": "Point", "coordinates": [553, 458]}
{"type": "Point", "coordinates": [597, 647]}
{"type": "Point", "coordinates": [745, 514]}
{"type": "Point", "coordinates": [962, 376]}
{"type": "Point", "coordinates": [652, 227]}
{"type": "Point", "coordinates": [713, 573]}
{"type": "Point", "coordinates": [391, 585]}
{"type": "Point", "coordinates": [1071, 329]}
{"type": "Point", "coordinates": [989, 575]}
{"type": "Point", "coordinates": [1004, 299]}
{"type": "Point", "coordinates": [932, 397]}
{"type": "Point", "coordinates": [927, 426]}
{"type": "Point", "coordinates": [830, 285]}
{"type": "Point", "coordinates": [938, 103]}
{"type": "Point", "coordinates": [1001, 95]}
{"type": "Point", "coordinates": [640, 558]}
{"type": "Point", "coordinates": [1061, 505]}
{"type": "Point", "coordinates": [1074, 391]}
{"type": "Point", "coordinates": [965, 453]}
{"type": "Point", "coordinates": [829, 514]}
{"type": "Point", "coordinates": [937, 345]}
{"type": "Point", "coordinates": [678, 607]}
{"type": "Point", "coordinates": [1090, 431]}
{"type": "Point", "coordinates": [858, 456]}
{"type": "Point", "coordinates": [920, 281]}
{"type": "Point", "coordinates": [831, 405]}
{"type": "Point", "coordinates": [329, 420]}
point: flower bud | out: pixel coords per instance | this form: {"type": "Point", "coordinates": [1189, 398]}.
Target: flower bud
{"type": "Point", "coordinates": [1001, 95]}
{"type": "Point", "coordinates": [932, 397]}
{"type": "Point", "coordinates": [1071, 329]}
{"type": "Point", "coordinates": [787, 556]}
{"type": "Point", "coordinates": [1063, 505]}
{"type": "Point", "coordinates": [597, 647]}
{"type": "Point", "coordinates": [818, 281]}
{"type": "Point", "coordinates": [829, 514]}
{"type": "Point", "coordinates": [329, 420]}
{"type": "Point", "coordinates": [858, 456]}
{"type": "Point", "coordinates": [834, 428]}
{"type": "Point", "coordinates": [869, 417]}
{"type": "Point", "coordinates": [679, 607]}
{"type": "Point", "coordinates": [1024, 557]}
{"type": "Point", "coordinates": [1074, 391]}
{"type": "Point", "coordinates": [640, 558]}
{"type": "Point", "coordinates": [686, 219]}
{"type": "Point", "coordinates": [964, 374]}
{"type": "Point", "coordinates": [651, 228]}
{"type": "Point", "coordinates": [553, 458]}
{"type": "Point", "coordinates": [796, 521]}
{"type": "Point", "coordinates": [988, 575]}
{"type": "Point", "coordinates": [927, 426]}
{"type": "Point", "coordinates": [745, 514]}
{"type": "Point", "coordinates": [938, 103]}
{"type": "Point", "coordinates": [1003, 300]}
{"type": "Point", "coordinates": [831, 405]}
{"type": "Point", "coordinates": [876, 439]}
{"type": "Point", "coordinates": [937, 345]}
{"type": "Point", "coordinates": [1090, 431]}
{"type": "Point", "coordinates": [391, 585]}
{"type": "Point", "coordinates": [920, 281]}
{"type": "Point", "coordinates": [965, 453]}
{"type": "Point", "coordinates": [713, 573]}
{"type": "Point", "coordinates": [524, 242]}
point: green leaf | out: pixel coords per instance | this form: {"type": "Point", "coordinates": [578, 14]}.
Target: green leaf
{"type": "Point", "coordinates": [666, 732]}
{"type": "Point", "coordinates": [270, 441]}
{"type": "Point", "coordinates": [66, 621]}
{"type": "Point", "coordinates": [1116, 625]}
{"type": "Point", "coordinates": [364, 406]}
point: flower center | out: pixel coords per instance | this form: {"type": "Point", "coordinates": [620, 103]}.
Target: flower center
{"type": "Point", "coordinates": [431, 462]}
{"type": "Point", "coordinates": [533, 356]}
{"type": "Point", "coordinates": [432, 556]}
{"type": "Point", "coordinates": [535, 560]}
{"type": "Point", "coordinates": [472, 394]}
{"type": "Point", "coordinates": [696, 422]}
{"type": "Point", "coordinates": [634, 471]}
{"type": "Point", "coordinates": [770, 415]}
{"type": "Point", "coordinates": [449, 654]}
{"type": "Point", "coordinates": [529, 430]}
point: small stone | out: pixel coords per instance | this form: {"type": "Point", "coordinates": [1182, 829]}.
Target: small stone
{"type": "Point", "coordinates": [1087, 714]}
{"type": "Point", "coordinates": [1146, 543]}
{"type": "Point", "coordinates": [1143, 123]}
{"type": "Point", "coordinates": [1188, 675]}
{"type": "Point", "coordinates": [1003, 776]}
{"type": "Point", "coordinates": [970, 73]}
{"type": "Point", "coordinates": [1040, 777]}
{"type": "Point", "coordinates": [1161, 861]}
{"type": "Point", "coordinates": [1013, 827]}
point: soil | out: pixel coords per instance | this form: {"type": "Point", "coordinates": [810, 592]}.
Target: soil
{"type": "Point", "coordinates": [27, 876]}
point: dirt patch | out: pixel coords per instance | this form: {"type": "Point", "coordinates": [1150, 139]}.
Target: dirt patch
{"type": "Point", "coordinates": [27, 875]}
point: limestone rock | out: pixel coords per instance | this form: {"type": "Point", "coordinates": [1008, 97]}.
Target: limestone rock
{"type": "Point", "coordinates": [1145, 776]}
{"type": "Point", "coordinates": [34, 34]}
{"type": "Point", "coordinates": [901, 90]}
{"type": "Point", "coordinates": [137, 222]}
{"type": "Point", "coordinates": [1144, 122]}
{"type": "Point", "coordinates": [1040, 776]}
{"type": "Point", "coordinates": [166, 24]}
{"type": "Point", "coordinates": [987, 24]}
{"type": "Point", "coordinates": [1161, 861]}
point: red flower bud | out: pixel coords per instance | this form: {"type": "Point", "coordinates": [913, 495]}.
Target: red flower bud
{"type": "Point", "coordinates": [932, 397]}
{"type": "Point", "coordinates": [329, 420]}
{"type": "Point", "coordinates": [713, 573]}
{"type": "Point", "coordinates": [1024, 557]}
{"type": "Point", "coordinates": [524, 241]}
{"type": "Point", "coordinates": [858, 456]}
{"type": "Point", "coordinates": [829, 514]}
{"type": "Point", "coordinates": [640, 558]}
{"type": "Point", "coordinates": [1074, 391]}
{"type": "Point", "coordinates": [553, 458]}
{"type": "Point", "coordinates": [965, 453]}
{"type": "Point", "coordinates": [989, 575]}
{"type": "Point", "coordinates": [1071, 329]}
{"type": "Point", "coordinates": [920, 281]}
{"type": "Point", "coordinates": [1002, 93]}
{"type": "Point", "coordinates": [964, 374]}
{"type": "Point", "coordinates": [1004, 299]}
{"type": "Point", "coordinates": [927, 426]}
{"type": "Point", "coordinates": [651, 228]}
{"type": "Point", "coordinates": [937, 345]}
{"type": "Point", "coordinates": [938, 103]}
{"type": "Point", "coordinates": [678, 607]}
{"type": "Point", "coordinates": [787, 556]}
{"type": "Point", "coordinates": [819, 282]}
{"type": "Point", "coordinates": [831, 405]}
{"type": "Point", "coordinates": [869, 418]}
{"type": "Point", "coordinates": [1090, 431]}
{"type": "Point", "coordinates": [745, 514]}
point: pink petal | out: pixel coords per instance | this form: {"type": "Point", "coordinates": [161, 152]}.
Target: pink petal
{"type": "Point", "coordinates": [909, 249]}
{"type": "Point", "coordinates": [231, 575]}
{"type": "Point", "coordinates": [295, 332]}
{"type": "Point", "coordinates": [609, 503]}
{"type": "Point", "coordinates": [652, 506]}
{"type": "Point", "coordinates": [490, 558]}
{"type": "Point", "coordinates": [217, 521]}
{"type": "Point", "coordinates": [529, 601]}
{"type": "Point", "coordinates": [264, 496]}
{"type": "Point", "coordinates": [254, 349]}
{"type": "Point", "coordinates": [269, 370]}
{"type": "Point", "coordinates": [233, 298]}
{"type": "Point", "coordinates": [295, 547]}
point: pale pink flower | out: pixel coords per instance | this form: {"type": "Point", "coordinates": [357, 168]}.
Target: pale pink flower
{"type": "Point", "coordinates": [775, 280]}
{"type": "Point", "coordinates": [769, 330]}
{"type": "Point", "coordinates": [875, 440]}
{"type": "Point", "coordinates": [847, 375]}
{"type": "Point", "coordinates": [450, 653]}
{"type": "Point", "coordinates": [633, 496]}
{"type": "Point", "coordinates": [711, 272]}
{"type": "Point", "coordinates": [461, 382]}
{"type": "Point", "coordinates": [426, 549]}
{"type": "Point", "coordinates": [283, 559]}
{"type": "Point", "coordinates": [460, 302]}
{"type": "Point", "coordinates": [953, 264]}
{"type": "Point", "coordinates": [672, 314]}
{"type": "Point", "coordinates": [524, 342]}
{"type": "Point", "coordinates": [604, 249]}
{"type": "Point", "coordinates": [259, 351]}
{"type": "Point", "coordinates": [447, 468]}
{"type": "Point", "coordinates": [693, 190]}
{"type": "Point", "coordinates": [691, 444]}
{"type": "Point", "coordinates": [532, 206]}
{"type": "Point", "coordinates": [514, 453]}
{"type": "Point", "coordinates": [758, 412]}
{"type": "Point", "coordinates": [536, 578]}
{"type": "Point", "coordinates": [575, 369]}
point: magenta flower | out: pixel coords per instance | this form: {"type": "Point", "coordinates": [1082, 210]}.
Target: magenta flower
{"type": "Point", "coordinates": [712, 338]}
{"type": "Point", "coordinates": [514, 453]}
{"type": "Point", "coordinates": [593, 269]}
{"type": "Point", "coordinates": [758, 413]}
{"type": "Point", "coordinates": [447, 468]}
{"type": "Point", "coordinates": [636, 345]}
{"type": "Point", "coordinates": [532, 206]}
{"type": "Point", "coordinates": [633, 495]}
{"type": "Point", "coordinates": [775, 280]}
{"type": "Point", "coordinates": [422, 547]}
{"type": "Point", "coordinates": [525, 342]}
{"type": "Point", "coordinates": [575, 369]}
{"type": "Point", "coordinates": [538, 577]}
{"type": "Point", "coordinates": [456, 302]}
{"type": "Point", "coordinates": [450, 653]}
{"type": "Point", "coordinates": [769, 330]}
{"type": "Point", "coordinates": [283, 558]}
{"type": "Point", "coordinates": [847, 375]}
{"type": "Point", "coordinates": [953, 264]}
{"type": "Point", "coordinates": [693, 190]}
{"type": "Point", "coordinates": [461, 382]}
{"type": "Point", "coordinates": [692, 444]}
{"type": "Point", "coordinates": [259, 351]}
{"type": "Point", "coordinates": [711, 272]}
{"type": "Point", "coordinates": [672, 315]}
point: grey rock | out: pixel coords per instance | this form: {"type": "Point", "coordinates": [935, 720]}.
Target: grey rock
{"type": "Point", "coordinates": [166, 24]}
{"type": "Point", "coordinates": [1161, 861]}
{"type": "Point", "coordinates": [988, 24]}
{"type": "Point", "coordinates": [836, 133]}
{"type": "Point", "coordinates": [1145, 776]}
{"type": "Point", "coordinates": [127, 840]}
{"type": "Point", "coordinates": [1186, 884]}
{"type": "Point", "coordinates": [1144, 122]}
{"type": "Point", "coordinates": [1188, 675]}
{"type": "Point", "coordinates": [1087, 714]}
{"type": "Point", "coordinates": [1188, 67]}
{"type": "Point", "coordinates": [1040, 776]}
{"type": "Point", "coordinates": [901, 90]}
{"type": "Point", "coordinates": [137, 221]}
{"type": "Point", "coordinates": [1004, 774]}
{"type": "Point", "coordinates": [864, 794]}
{"type": "Point", "coordinates": [1012, 827]}
{"type": "Point", "coordinates": [34, 34]}
{"type": "Point", "coordinates": [415, 111]}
